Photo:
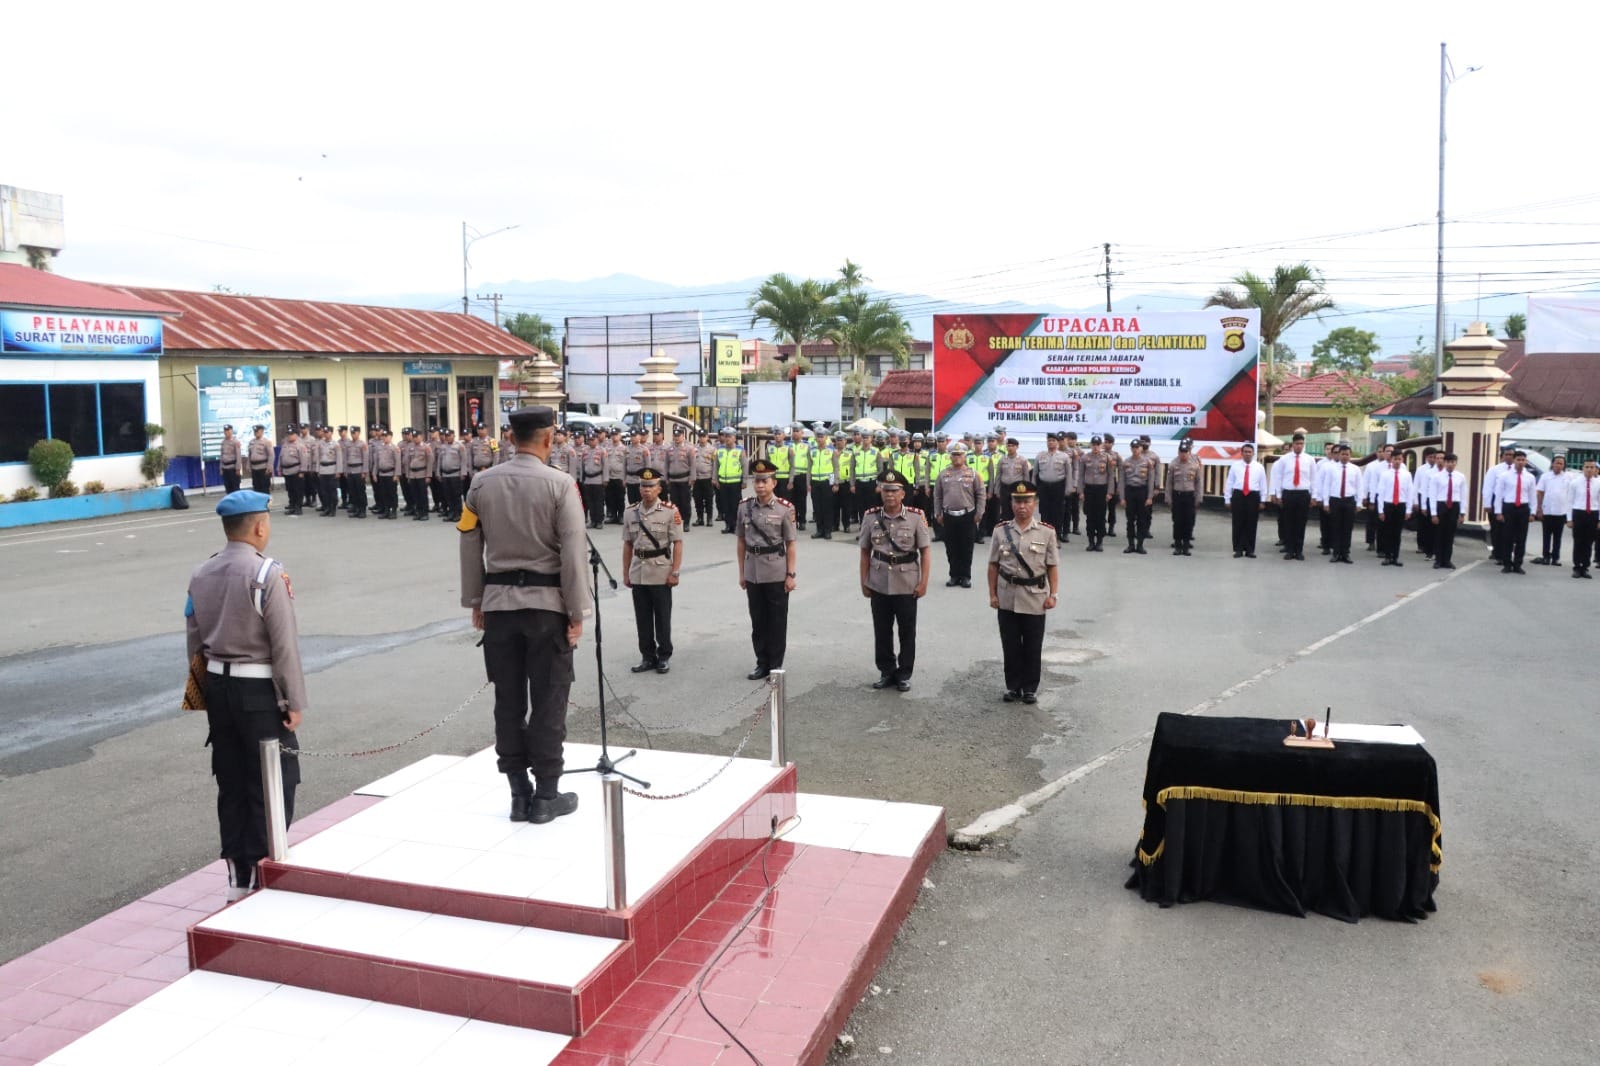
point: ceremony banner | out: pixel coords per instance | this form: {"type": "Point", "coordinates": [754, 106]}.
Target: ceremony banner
{"type": "Point", "coordinates": [237, 396]}
{"type": "Point", "coordinates": [1168, 374]}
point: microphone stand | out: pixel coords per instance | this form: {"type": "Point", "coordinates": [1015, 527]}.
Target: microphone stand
{"type": "Point", "coordinates": [606, 764]}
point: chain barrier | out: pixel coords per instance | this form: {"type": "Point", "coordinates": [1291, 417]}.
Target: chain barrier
{"type": "Point", "coordinates": [749, 732]}
{"type": "Point", "coordinates": [387, 747]}
{"type": "Point", "coordinates": [761, 689]}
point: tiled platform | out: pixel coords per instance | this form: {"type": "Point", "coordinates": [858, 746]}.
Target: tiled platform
{"type": "Point", "coordinates": [784, 977]}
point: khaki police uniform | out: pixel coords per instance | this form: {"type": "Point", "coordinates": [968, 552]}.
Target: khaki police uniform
{"type": "Point", "coordinates": [258, 455]}
{"type": "Point", "coordinates": [1022, 565]}
{"type": "Point", "coordinates": [1185, 486]}
{"type": "Point", "coordinates": [650, 539]}
{"type": "Point", "coordinates": [1099, 473]}
{"type": "Point", "coordinates": [1137, 485]}
{"type": "Point", "coordinates": [764, 533]}
{"type": "Point", "coordinates": [895, 550]}
{"type": "Point", "coordinates": [1052, 471]}
{"type": "Point", "coordinates": [958, 497]}
{"type": "Point", "coordinates": [230, 463]}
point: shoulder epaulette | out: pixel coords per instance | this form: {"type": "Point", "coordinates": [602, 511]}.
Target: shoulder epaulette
{"type": "Point", "coordinates": [1047, 525]}
{"type": "Point", "coordinates": [914, 510]}
{"type": "Point", "coordinates": [873, 510]}
{"type": "Point", "coordinates": [785, 502]}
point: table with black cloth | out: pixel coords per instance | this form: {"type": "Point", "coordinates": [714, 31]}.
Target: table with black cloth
{"type": "Point", "coordinates": [1233, 814]}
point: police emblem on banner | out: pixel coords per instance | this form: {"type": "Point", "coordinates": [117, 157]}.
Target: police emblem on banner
{"type": "Point", "coordinates": [958, 337]}
{"type": "Point", "coordinates": [1233, 334]}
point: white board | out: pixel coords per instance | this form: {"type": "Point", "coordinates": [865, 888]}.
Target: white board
{"type": "Point", "coordinates": [769, 404]}
{"type": "Point", "coordinates": [1563, 324]}
{"type": "Point", "coordinates": [818, 398]}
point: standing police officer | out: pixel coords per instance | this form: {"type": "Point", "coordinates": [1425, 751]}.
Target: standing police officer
{"type": "Point", "coordinates": [1185, 486]}
{"type": "Point", "coordinates": [731, 468]}
{"type": "Point", "coordinates": [958, 497]}
{"type": "Point", "coordinates": [240, 617]}
{"type": "Point", "coordinates": [1098, 472]}
{"type": "Point", "coordinates": [652, 560]}
{"type": "Point", "coordinates": [230, 460]}
{"type": "Point", "coordinates": [765, 553]}
{"type": "Point", "coordinates": [355, 472]}
{"type": "Point", "coordinates": [523, 551]}
{"type": "Point", "coordinates": [1137, 478]}
{"type": "Point", "coordinates": [896, 555]}
{"type": "Point", "coordinates": [1024, 558]}
{"type": "Point", "coordinates": [258, 454]}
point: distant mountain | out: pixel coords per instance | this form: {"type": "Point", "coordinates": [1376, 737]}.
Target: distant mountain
{"type": "Point", "coordinates": [723, 308]}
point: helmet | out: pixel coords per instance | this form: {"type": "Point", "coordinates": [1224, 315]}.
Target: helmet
{"type": "Point", "coordinates": [915, 437]}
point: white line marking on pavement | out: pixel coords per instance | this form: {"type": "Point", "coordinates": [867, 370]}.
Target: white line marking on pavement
{"type": "Point", "coordinates": [24, 539]}
{"type": "Point", "coordinates": [990, 822]}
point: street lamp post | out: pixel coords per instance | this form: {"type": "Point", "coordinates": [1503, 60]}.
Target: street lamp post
{"type": "Point", "coordinates": [468, 242]}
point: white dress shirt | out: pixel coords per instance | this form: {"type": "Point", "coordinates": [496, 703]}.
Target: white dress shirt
{"type": "Point", "coordinates": [1341, 481]}
{"type": "Point", "coordinates": [1585, 496]}
{"type": "Point", "coordinates": [1555, 493]}
{"type": "Point", "coordinates": [1283, 473]}
{"type": "Point", "coordinates": [1491, 483]}
{"type": "Point", "coordinates": [1422, 483]}
{"type": "Point", "coordinates": [1505, 489]}
{"type": "Point", "coordinates": [1236, 478]}
{"type": "Point", "coordinates": [1448, 483]}
{"type": "Point", "coordinates": [1384, 491]}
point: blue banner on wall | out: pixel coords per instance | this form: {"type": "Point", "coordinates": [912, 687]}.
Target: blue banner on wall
{"type": "Point", "coordinates": [67, 333]}
{"type": "Point", "coordinates": [428, 367]}
{"type": "Point", "coordinates": [237, 396]}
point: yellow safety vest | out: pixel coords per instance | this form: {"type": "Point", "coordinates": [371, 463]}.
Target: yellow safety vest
{"type": "Point", "coordinates": [822, 463]}
{"type": "Point", "coordinates": [779, 457]}
{"type": "Point", "coordinates": [802, 458]}
{"type": "Point", "coordinates": [730, 465]}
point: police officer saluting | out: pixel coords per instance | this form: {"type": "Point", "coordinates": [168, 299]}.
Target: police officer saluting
{"type": "Point", "coordinates": [1024, 558]}
{"type": "Point", "coordinates": [765, 534]}
{"type": "Point", "coordinates": [896, 554]}
{"type": "Point", "coordinates": [240, 617]}
{"type": "Point", "coordinates": [652, 559]}
{"type": "Point", "coordinates": [523, 552]}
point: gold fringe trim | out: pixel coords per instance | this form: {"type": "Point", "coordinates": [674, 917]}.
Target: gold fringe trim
{"type": "Point", "coordinates": [1299, 799]}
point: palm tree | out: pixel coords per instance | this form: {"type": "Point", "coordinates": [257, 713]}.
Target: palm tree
{"type": "Point", "coordinates": [851, 279]}
{"type": "Point", "coordinates": [864, 327]}
{"type": "Point", "coordinates": [797, 311]}
{"type": "Point", "coordinates": [1516, 326]}
{"type": "Point", "coordinates": [1292, 293]}
{"type": "Point", "coordinates": [534, 330]}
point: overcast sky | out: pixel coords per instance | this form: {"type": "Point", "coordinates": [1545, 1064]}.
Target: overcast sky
{"type": "Point", "coordinates": [974, 151]}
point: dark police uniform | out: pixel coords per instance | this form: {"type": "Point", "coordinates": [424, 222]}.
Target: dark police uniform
{"type": "Point", "coordinates": [895, 554]}
{"type": "Point", "coordinates": [765, 534]}
{"type": "Point", "coordinates": [240, 617]}
{"type": "Point", "coordinates": [523, 553]}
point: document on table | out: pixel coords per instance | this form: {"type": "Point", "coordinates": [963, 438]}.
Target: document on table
{"type": "Point", "coordinates": [1374, 734]}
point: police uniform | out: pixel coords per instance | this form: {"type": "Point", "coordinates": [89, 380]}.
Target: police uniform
{"type": "Point", "coordinates": [895, 553]}
{"type": "Point", "coordinates": [354, 453]}
{"type": "Point", "coordinates": [677, 464]}
{"type": "Point", "coordinates": [1010, 471]}
{"type": "Point", "coordinates": [240, 617]}
{"type": "Point", "coordinates": [844, 461]}
{"type": "Point", "coordinates": [1137, 480]}
{"type": "Point", "coordinates": [730, 465]}
{"type": "Point", "coordinates": [1052, 470]}
{"type": "Point", "coordinates": [1115, 458]}
{"type": "Point", "coordinates": [1022, 574]}
{"type": "Point", "coordinates": [383, 467]}
{"type": "Point", "coordinates": [592, 477]}
{"type": "Point", "coordinates": [523, 559]}
{"type": "Point", "coordinates": [958, 496]}
{"type": "Point", "coordinates": [418, 463]}
{"type": "Point", "coordinates": [1070, 515]}
{"type": "Point", "coordinates": [800, 452]}
{"type": "Point", "coordinates": [1098, 474]}
{"type": "Point", "coordinates": [823, 479]}
{"type": "Point", "coordinates": [634, 459]}
{"type": "Point", "coordinates": [291, 460]}
{"type": "Point", "coordinates": [230, 460]}
{"type": "Point", "coordinates": [766, 536]}
{"type": "Point", "coordinates": [449, 463]}
{"type": "Point", "coordinates": [705, 486]}
{"type": "Point", "coordinates": [258, 454]}
{"type": "Point", "coordinates": [652, 555]}
{"type": "Point", "coordinates": [329, 460]}
{"type": "Point", "coordinates": [616, 470]}
{"type": "Point", "coordinates": [1185, 486]}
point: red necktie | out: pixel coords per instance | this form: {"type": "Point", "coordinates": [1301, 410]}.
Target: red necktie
{"type": "Point", "coordinates": [1588, 501]}
{"type": "Point", "coordinates": [1450, 490]}
{"type": "Point", "coordinates": [1518, 500]}
{"type": "Point", "coordinates": [1247, 479]}
{"type": "Point", "coordinates": [1397, 488]}
{"type": "Point", "coordinates": [1297, 471]}
{"type": "Point", "coordinates": [1343, 472]}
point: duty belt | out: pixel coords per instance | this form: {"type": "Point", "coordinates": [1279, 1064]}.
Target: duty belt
{"type": "Point", "coordinates": [1035, 582]}
{"type": "Point", "coordinates": [766, 549]}
{"type": "Point", "coordinates": [326, 465]}
{"type": "Point", "coordinates": [895, 559]}
{"type": "Point", "coordinates": [256, 671]}
{"type": "Point", "coordinates": [652, 553]}
{"type": "Point", "coordinates": [522, 578]}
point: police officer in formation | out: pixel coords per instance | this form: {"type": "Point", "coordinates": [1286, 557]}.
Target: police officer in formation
{"type": "Point", "coordinates": [1245, 492]}
{"type": "Point", "coordinates": [1185, 489]}
{"type": "Point", "coordinates": [1053, 469]}
{"type": "Point", "coordinates": [1024, 561]}
{"type": "Point", "coordinates": [896, 557]}
{"type": "Point", "coordinates": [230, 460]}
{"type": "Point", "coordinates": [353, 455]}
{"type": "Point", "coordinates": [765, 534]}
{"type": "Point", "coordinates": [383, 468]}
{"type": "Point", "coordinates": [258, 456]}
{"type": "Point", "coordinates": [732, 466]}
{"type": "Point", "coordinates": [291, 465]}
{"type": "Point", "coordinates": [958, 497]}
{"type": "Point", "coordinates": [1099, 491]}
{"type": "Point", "coordinates": [523, 575]}
{"type": "Point", "coordinates": [1290, 487]}
{"type": "Point", "coordinates": [823, 479]}
{"type": "Point", "coordinates": [705, 485]}
{"type": "Point", "coordinates": [239, 617]}
{"type": "Point", "coordinates": [652, 562]}
{"type": "Point", "coordinates": [1138, 479]}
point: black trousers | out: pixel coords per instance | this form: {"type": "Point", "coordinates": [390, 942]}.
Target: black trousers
{"type": "Point", "coordinates": [1111, 514]}
{"type": "Point", "coordinates": [385, 494]}
{"type": "Point", "coordinates": [1374, 520]}
{"type": "Point", "coordinates": [1071, 511]}
{"type": "Point", "coordinates": [1021, 643]}
{"type": "Point", "coordinates": [614, 499]}
{"type": "Point", "coordinates": [1516, 533]}
{"type": "Point", "coordinates": [328, 492]}
{"type": "Point", "coordinates": [798, 496]}
{"type": "Point", "coordinates": [1138, 513]}
{"type": "Point", "coordinates": [960, 531]}
{"type": "Point", "coordinates": [242, 712]}
{"type": "Point", "coordinates": [822, 506]}
{"type": "Point", "coordinates": [1341, 524]}
{"type": "Point", "coordinates": [417, 494]}
{"type": "Point", "coordinates": [652, 616]}
{"type": "Point", "coordinates": [1552, 526]}
{"type": "Point", "coordinates": [1425, 532]}
{"type": "Point", "coordinates": [1584, 524]}
{"type": "Point", "coordinates": [1052, 505]}
{"type": "Point", "coordinates": [1295, 506]}
{"type": "Point", "coordinates": [527, 656]}
{"type": "Point", "coordinates": [889, 612]}
{"type": "Point", "coordinates": [436, 487]}
{"type": "Point", "coordinates": [261, 480]}
{"type": "Point", "coordinates": [1182, 516]}
{"type": "Point", "coordinates": [728, 494]}
{"type": "Point", "coordinates": [1322, 528]}
{"type": "Point", "coordinates": [704, 499]}
{"type": "Point", "coordinates": [1246, 516]}
{"type": "Point", "coordinates": [355, 494]}
{"type": "Point", "coordinates": [679, 492]}
{"type": "Point", "coordinates": [864, 496]}
{"type": "Point", "coordinates": [1444, 534]}
{"type": "Point", "coordinates": [989, 516]}
{"type": "Point", "coordinates": [769, 622]}
{"type": "Point", "coordinates": [594, 502]}
{"type": "Point", "coordinates": [230, 480]}
{"type": "Point", "coordinates": [450, 484]}
{"type": "Point", "coordinates": [844, 502]}
{"type": "Point", "coordinates": [291, 488]}
{"type": "Point", "coordinates": [1094, 511]}
{"type": "Point", "coordinates": [633, 492]}
{"type": "Point", "coordinates": [1392, 531]}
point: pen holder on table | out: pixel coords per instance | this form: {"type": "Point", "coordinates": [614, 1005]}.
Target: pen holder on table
{"type": "Point", "coordinates": [1309, 739]}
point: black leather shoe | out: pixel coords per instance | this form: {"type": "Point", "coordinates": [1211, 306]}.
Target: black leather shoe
{"type": "Point", "coordinates": [757, 674]}
{"type": "Point", "coordinates": [1238, 555]}
{"type": "Point", "coordinates": [520, 806]}
{"type": "Point", "coordinates": [1028, 697]}
{"type": "Point", "coordinates": [1011, 696]}
{"type": "Point", "coordinates": [903, 685]}
{"type": "Point", "coordinates": [1128, 550]}
{"type": "Point", "coordinates": [952, 583]}
{"type": "Point", "coordinates": [644, 666]}
{"type": "Point", "coordinates": [1518, 570]}
{"type": "Point", "coordinates": [884, 681]}
{"type": "Point", "coordinates": [1140, 550]}
{"type": "Point", "coordinates": [549, 808]}
{"type": "Point", "coordinates": [663, 666]}
{"type": "Point", "coordinates": [819, 535]}
{"type": "Point", "coordinates": [966, 582]}
{"type": "Point", "coordinates": [1249, 555]}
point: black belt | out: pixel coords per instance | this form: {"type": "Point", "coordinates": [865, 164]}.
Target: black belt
{"type": "Point", "coordinates": [522, 578]}
{"type": "Point", "coordinates": [326, 466]}
{"type": "Point", "coordinates": [652, 553]}
{"type": "Point", "coordinates": [895, 559]}
{"type": "Point", "coordinates": [1287, 491]}
{"type": "Point", "coordinates": [766, 549]}
{"type": "Point", "coordinates": [1035, 582]}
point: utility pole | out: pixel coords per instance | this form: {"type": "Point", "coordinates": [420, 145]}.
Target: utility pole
{"type": "Point", "coordinates": [1107, 276]}
{"type": "Point", "coordinates": [493, 298]}
{"type": "Point", "coordinates": [1447, 75]}
{"type": "Point", "coordinates": [464, 266]}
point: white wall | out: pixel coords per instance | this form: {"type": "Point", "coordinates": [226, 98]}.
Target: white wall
{"type": "Point", "coordinates": [119, 472]}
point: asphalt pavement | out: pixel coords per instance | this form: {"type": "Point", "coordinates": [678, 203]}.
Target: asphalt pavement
{"type": "Point", "coordinates": [1026, 951]}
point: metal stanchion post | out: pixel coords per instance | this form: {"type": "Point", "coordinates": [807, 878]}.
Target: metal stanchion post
{"type": "Point", "coordinates": [616, 849]}
{"type": "Point", "coordinates": [780, 741]}
{"type": "Point", "coordinates": [272, 790]}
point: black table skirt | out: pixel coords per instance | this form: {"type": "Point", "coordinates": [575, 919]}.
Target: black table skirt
{"type": "Point", "coordinates": [1233, 815]}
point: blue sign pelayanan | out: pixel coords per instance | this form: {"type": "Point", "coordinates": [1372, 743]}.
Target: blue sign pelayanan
{"type": "Point", "coordinates": [85, 333]}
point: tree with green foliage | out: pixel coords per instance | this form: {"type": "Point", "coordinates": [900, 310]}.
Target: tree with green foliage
{"type": "Point", "coordinates": [1516, 325]}
{"type": "Point", "coordinates": [1292, 293]}
{"type": "Point", "coordinates": [51, 461]}
{"type": "Point", "coordinates": [797, 311]}
{"type": "Point", "coordinates": [534, 330]}
{"type": "Point", "coordinates": [1345, 349]}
